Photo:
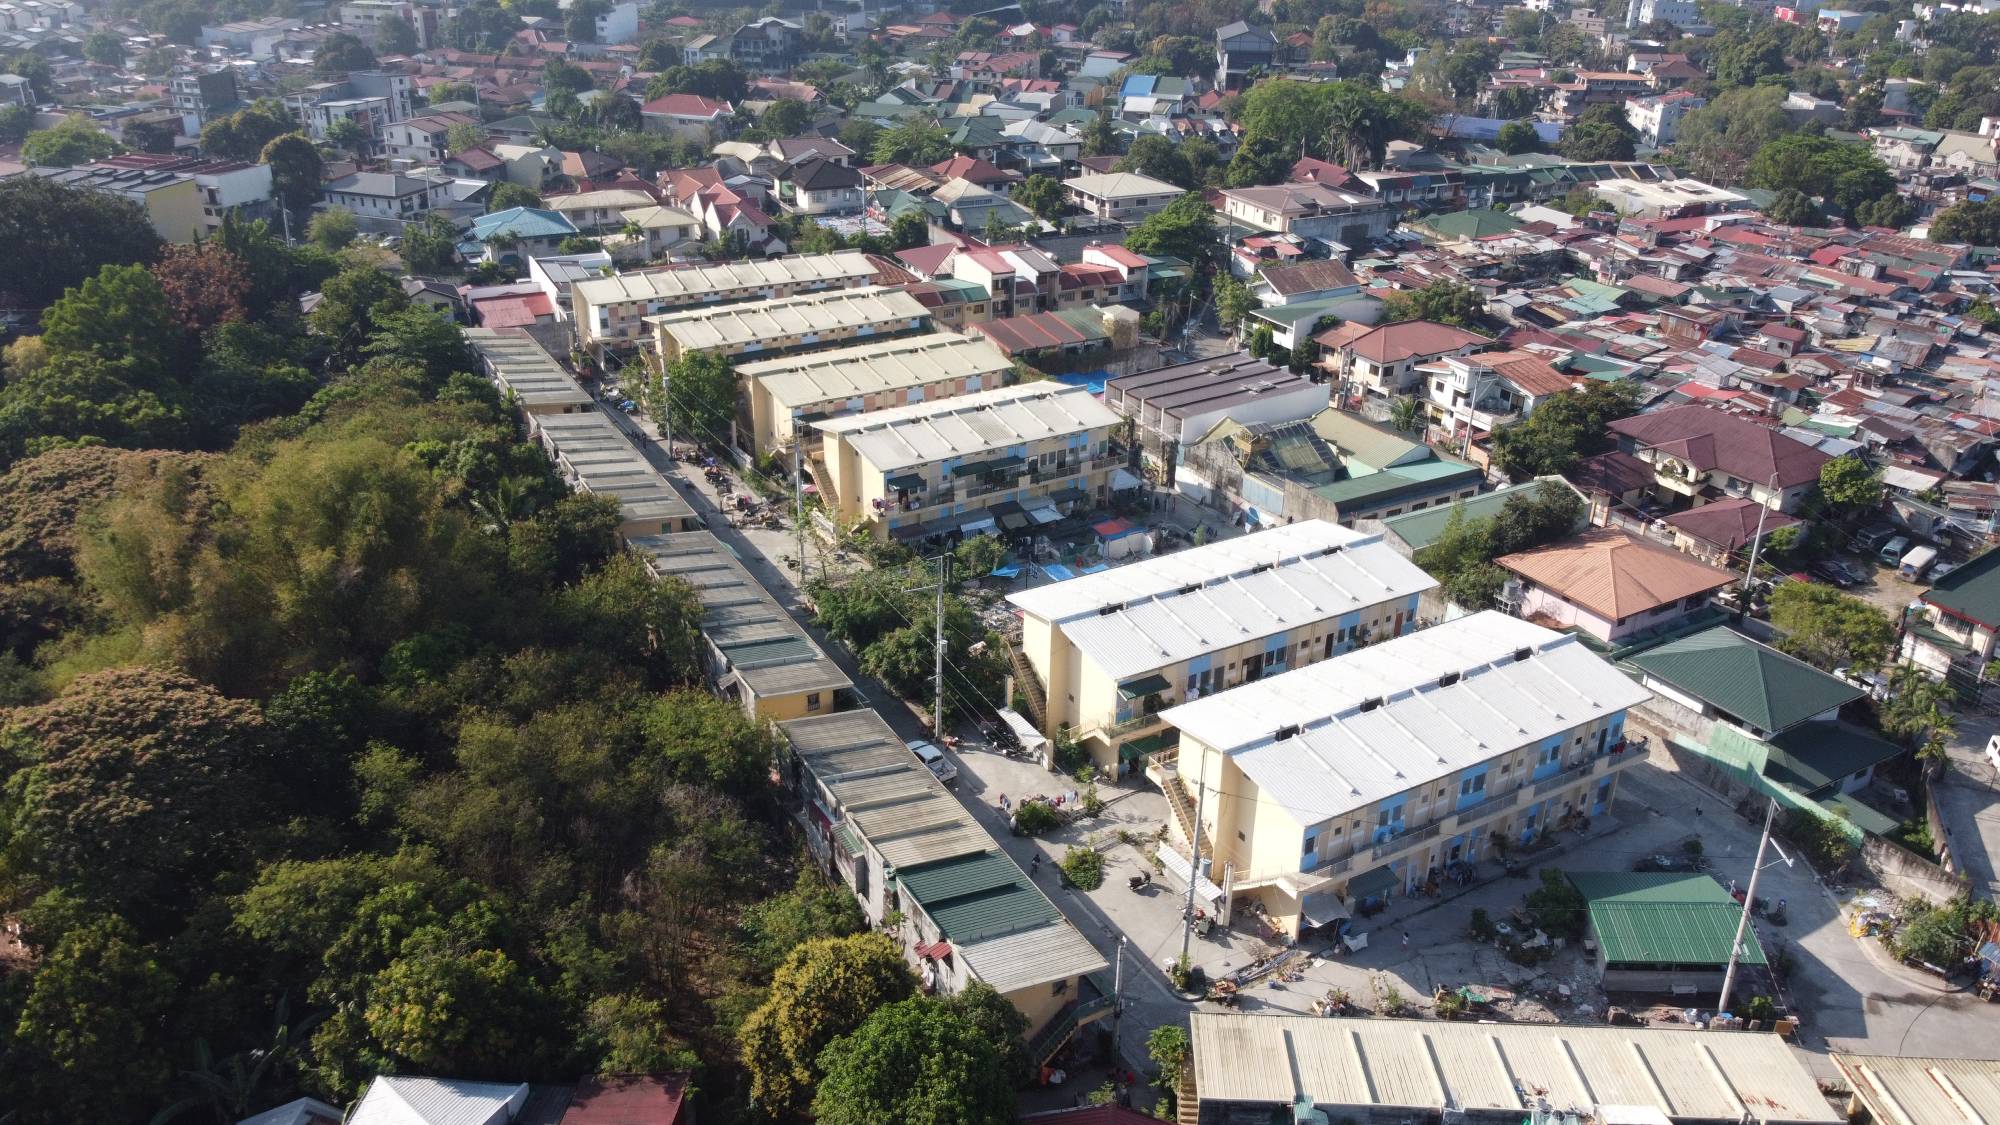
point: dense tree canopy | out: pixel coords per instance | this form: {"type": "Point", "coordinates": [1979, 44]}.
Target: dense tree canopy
{"type": "Point", "coordinates": [1974, 223]}
{"type": "Point", "coordinates": [72, 141]}
{"type": "Point", "coordinates": [1183, 229]}
{"type": "Point", "coordinates": [1563, 430]}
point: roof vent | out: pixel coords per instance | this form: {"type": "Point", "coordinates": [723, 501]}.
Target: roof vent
{"type": "Point", "coordinates": [1283, 733]}
{"type": "Point", "coordinates": [1110, 609]}
{"type": "Point", "coordinates": [1190, 587]}
{"type": "Point", "coordinates": [1521, 654]}
{"type": "Point", "coordinates": [1448, 679]}
{"type": "Point", "coordinates": [1371, 704]}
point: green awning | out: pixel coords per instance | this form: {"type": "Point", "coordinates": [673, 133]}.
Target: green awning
{"type": "Point", "coordinates": [1144, 686]}
{"type": "Point", "coordinates": [981, 468]}
{"type": "Point", "coordinates": [1371, 883]}
{"type": "Point", "coordinates": [908, 482]}
{"type": "Point", "coordinates": [1151, 744]}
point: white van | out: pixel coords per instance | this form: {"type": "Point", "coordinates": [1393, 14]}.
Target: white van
{"type": "Point", "coordinates": [934, 759]}
{"type": "Point", "coordinates": [1993, 752]}
{"type": "Point", "coordinates": [1916, 562]}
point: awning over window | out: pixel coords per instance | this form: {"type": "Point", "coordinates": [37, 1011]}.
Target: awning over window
{"type": "Point", "coordinates": [907, 482]}
{"type": "Point", "coordinates": [1177, 866]}
{"type": "Point", "coordinates": [1144, 686]}
{"type": "Point", "coordinates": [934, 951]}
{"type": "Point", "coordinates": [1122, 480]}
{"type": "Point", "coordinates": [1321, 907]}
{"type": "Point", "coordinates": [996, 465]}
{"type": "Point", "coordinates": [976, 526]}
{"type": "Point", "coordinates": [1371, 883]}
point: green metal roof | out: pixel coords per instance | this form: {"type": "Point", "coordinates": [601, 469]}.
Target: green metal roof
{"type": "Point", "coordinates": [1972, 591]}
{"type": "Point", "coordinates": [1417, 479]}
{"type": "Point", "coordinates": [1145, 685]}
{"type": "Point", "coordinates": [1757, 684]}
{"type": "Point", "coordinates": [1663, 918]}
{"type": "Point", "coordinates": [1859, 813]}
{"type": "Point", "coordinates": [1421, 529]}
{"type": "Point", "coordinates": [975, 897]}
{"type": "Point", "coordinates": [1471, 224]}
{"type": "Point", "coordinates": [1816, 757]}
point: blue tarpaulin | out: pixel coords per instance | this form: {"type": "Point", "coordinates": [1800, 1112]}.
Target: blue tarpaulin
{"type": "Point", "coordinates": [1058, 572]}
{"type": "Point", "coordinates": [1091, 380]}
{"type": "Point", "coordinates": [1006, 570]}
{"type": "Point", "coordinates": [1095, 569]}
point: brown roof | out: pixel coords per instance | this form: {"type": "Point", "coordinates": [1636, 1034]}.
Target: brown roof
{"type": "Point", "coordinates": [1393, 343]}
{"type": "Point", "coordinates": [627, 1099]}
{"type": "Point", "coordinates": [1717, 440]}
{"type": "Point", "coordinates": [1309, 277]}
{"type": "Point", "coordinates": [1528, 371]}
{"type": "Point", "coordinates": [1615, 575]}
{"type": "Point", "coordinates": [1729, 524]}
{"type": "Point", "coordinates": [1614, 473]}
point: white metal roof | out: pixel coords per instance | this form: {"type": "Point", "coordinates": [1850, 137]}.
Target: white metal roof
{"type": "Point", "coordinates": [911, 361]}
{"type": "Point", "coordinates": [828, 311]}
{"type": "Point", "coordinates": [1499, 1068]}
{"type": "Point", "coordinates": [523, 367]}
{"type": "Point", "coordinates": [1272, 582]}
{"type": "Point", "coordinates": [1042, 955]}
{"type": "Point", "coordinates": [1387, 718]}
{"type": "Point", "coordinates": [694, 281]}
{"type": "Point", "coordinates": [394, 1099]}
{"type": "Point", "coordinates": [1922, 1091]}
{"type": "Point", "coordinates": [968, 425]}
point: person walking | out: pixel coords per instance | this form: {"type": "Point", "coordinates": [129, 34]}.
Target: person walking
{"type": "Point", "coordinates": [1406, 939]}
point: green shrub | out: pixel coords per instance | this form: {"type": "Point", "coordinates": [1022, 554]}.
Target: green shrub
{"type": "Point", "coordinates": [1556, 907]}
{"type": "Point", "coordinates": [1084, 868]}
{"type": "Point", "coordinates": [1036, 817]}
{"type": "Point", "coordinates": [1483, 928]}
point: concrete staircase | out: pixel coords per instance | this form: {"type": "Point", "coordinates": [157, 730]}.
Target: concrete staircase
{"type": "Point", "coordinates": [1187, 1105]}
{"type": "Point", "coordinates": [1029, 683]}
{"type": "Point", "coordinates": [1182, 804]}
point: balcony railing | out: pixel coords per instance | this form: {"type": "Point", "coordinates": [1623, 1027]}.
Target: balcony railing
{"type": "Point", "coordinates": [1567, 777]}
{"type": "Point", "coordinates": [1398, 843]}
{"type": "Point", "coordinates": [1135, 723]}
{"type": "Point", "coordinates": [1473, 813]}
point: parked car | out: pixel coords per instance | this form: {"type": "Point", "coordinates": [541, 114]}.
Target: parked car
{"type": "Point", "coordinates": [1836, 573]}
{"type": "Point", "coordinates": [1870, 539]}
{"type": "Point", "coordinates": [934, 759]}
{"type": "Point", "coordinates": [1939, 570]}
{"type": "Point", "coordinates": [1892, 552]}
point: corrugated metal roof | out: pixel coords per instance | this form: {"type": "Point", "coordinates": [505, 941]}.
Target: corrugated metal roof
{"type": "Point", "coordinates": [1384, 719]}
{"type": "Point", "coordinates": [912, 361]}
{"type": "Point", "coordinates": [1365, 1064]}
{"type": "Point", "coordinates": [1757, 684]}
{"type": "Point", "coordinates": [1924, 1091]}
{"type": "Point", "coordinates": [1042, 955]}
{"type": "Point", "coordinates": [603, 461]}
{"type": "Point", "coordinates": [969, 425]}
{"type": "Point", "coordinates": [1664, 933]}
{"type": "Point", "coordinates": [763, 645]}
{"type": "Point", "coordinates": [521, 365]}
{"type": "Point", "coordinates": [973, 898]}
{"type": "Point", "coordinates": [755, 322]}
{"type": "Point", "coordinates": [896, 804]}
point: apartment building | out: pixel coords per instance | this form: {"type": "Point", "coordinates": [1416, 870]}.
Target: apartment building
{"type": "Point", "coordinates": [521, 368]}
{"type": "Point", "coordinates": [611, 312]}
{"type": "Point", "coordinates": [789, 324]}
{"type": "Point", "coordinates": [1311, 210]}
{"type": "Point", "coordinates": [387, 195]}
{"type": "Point", "coordinates": [423, 138]}
{"type": "Point", "coordinates": [171, 200]}
{"type": "Point", "coordinates": [798, 391]}
{"type": "Point", "coordinates": [1112, 651]}
{"type": "Point", "coordinates": [938, 468]}
{"type": "Point", "coordinates": [1366, 776]}
{"type": "Point", "coordinates": [223, 187]}
{"type": "Point", "coordinates": [595, 456]}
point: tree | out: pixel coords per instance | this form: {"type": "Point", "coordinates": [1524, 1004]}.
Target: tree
{"type": "Point", "coordinates": [1099, 138]}
{"type": "Point", "coordinates": [153, 135]}
{"type": "Point", "coordinates": [203, 285]}
{"type": "Point", "coordinates": [1517, 137]}
{"type": "Point", "coordinates": [347, 133]}
{"type": "Point", "coordinates": [120, 317]}
{"type": "Point", "coordinates": [701, 391]}
{"type": "Point", "coordinates": [296, 170]}
{"type": "Point", "coordinates": [140, 789]}
{"type": "Point", "coordinates": [1233, 303]}
{"type": "Point", "coordinates": [1557, 907]}
{"type": "Point", "coordinates": [15, 122]}
{"type": "Point", "coordinates": [510, 195]}
{"type": "Point", "coordinates": [341, 53]}
{"type": "Point", "coordinates": [332, 230]}
{"type": "Point", "coordinates": [1850, 485]}
{"type": "Point", "coordinates": [59, 235]}
{"type": "Point", "coordinates": [1563, 430]}
{"type": "Point", "coordinates": [1171, 1049]}
{"type": "Point", "coordinates": [423, 337]}
{"type": "Point", "coordinates": [693, 736]}
{"type": "Point", "coordinates": [715, 78]}
{"type": "Point", "coordinates": [918, 1061]}
{"type": "Point", "coordinates": [349, 303]}
{"type": "Point", "coordinates": [812, 909]}
{"type": "Point", "coordinates": [33, 67]}
{"type": "Point", "coordinates": [1258, 160]}
{"type": "Point", "coordinates": [444, 1008]}
{"type": "Point", "coordinates": [396, 36]}
{"type": "Point", "coordinates": [1042, 195]}
{"type": "Point", "coordinates": [75, 140]}
{"type": "Point", "coordinates": [1156, 156]}
{"type": "Point", "coordinates": [1742, 60]}
{"type": "Point", "coordinates": [1974, 223]}
{"type": "Point", "coordinates": [1917, 712]}
{"type": "Point", "coordinates": [1848, 175]}
{"type": "Point", "coordinates": [1183, 229]}
{"type": "Point", "coordinates": [1602, 133]}
{"type": "Point", "coordinates": [1445, 302]}
{"type": "Point", "coordinates": [1826, 627]}
{"type": "Point", "coordinates": [786, 117]}
{"type": "Point", "coordinates": [1406, 415]}
{"type": "Point", "coordinates": [580, 22]}
{"type": "Point", "coordinates": [93, 1015]}
{"type": "Point", "coordinates": [826, 989]}
{"type": "Point", "coordinates": [1717, 141]}
{"type": "Point", "coordinates": [909, 230]}
{"type": "Point", "coordinates": [912, 141]}
{"type": "Point", "coordinates": [1793, 208]}
{"type": "Point", "coordinates": [104, 47]}
{"type": "Point", "coordinates": [431, 246]}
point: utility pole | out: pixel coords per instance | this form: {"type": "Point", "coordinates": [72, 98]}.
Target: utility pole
{"type": "Point", "coordinates": [1749, 898]}
{"type": "Point", "coordinates": [1194, 858]}
{"type": "Point", "coordinates": [937, 688]}
{"type": "Point", "coordinates": [799, 505]}
{"type": "Point", "coordinates": [1756, 546]}
{"type": "Point", "coordinates": [1117, 989]}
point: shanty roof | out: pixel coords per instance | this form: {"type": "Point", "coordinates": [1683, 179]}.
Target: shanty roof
{"type": "Point", "coordinates": [1663, 918]}
{"type": "Point", "coordinates": [1339, 735]}
{"type": "Point", "coordinates": [865, 369]}
{"type": "Point", "coordinates": [1404, 1066]}
{"type": "Point", "coordinates": [1036, 331]}
{"type": "Point", "coordinates": [897, 805]}
{"type": "Point", "coordinates": [749, 326]}
{"type": "Point", "coordinates": [1921, 1091]}
{"type": "Point", "coordinates": [1169, 608]}
{"type": "Point", "coordinates": [967, 425]}
{"type": "Point", "coordinates": [1754, 683]}
{"type": "Point", "coordinates": [1712, 439]}
{"type": "Point", "coordinates": [1614, 574]}
{"type": "Point", "coordinates": [1309, 277]}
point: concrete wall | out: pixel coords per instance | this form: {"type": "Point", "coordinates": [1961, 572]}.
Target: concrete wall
{"type": "Point", "coordinates": [1908, 874]}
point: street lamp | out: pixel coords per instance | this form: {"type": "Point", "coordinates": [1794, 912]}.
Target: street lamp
{"type": "Point", "coordinates": [1749, 899]}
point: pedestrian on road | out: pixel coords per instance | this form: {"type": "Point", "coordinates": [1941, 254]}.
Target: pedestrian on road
{"type": "Point", "coordinates": [1406, 939]}
{"type": "Point", "coordinates": [1035, 868]}
{"type": "Point", "coordinates": [1003, 802]}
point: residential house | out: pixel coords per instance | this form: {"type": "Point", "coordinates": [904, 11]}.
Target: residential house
{"type": "Point", "coordinates": [937, 469]}
{"type": "Point", "coordinates": [688, 116]}
{"type": "Point", "coordinates": [423, 138]}
{"type": "Point", "coordinates": [1302, 282]}
{"type": "Point", "coordinates": [1311, 210]}
{"type": "Point", "coordinates": [1477, 394]}
{"type": "Point", "coordinates": [480, 163]}
{"type": "Point", "coordinates": [1111, 651]}
{"type": "Point", "coordinates": [394, 1099]}
{"type": "Point", "coordinates": [1241, 48]}
{"type": "Point", "coordinates": [516, 235]}
{"type": "Point", "coordinates": [797, 150]}
{"type": "Point", "coordinates": [1699, 454]}
{"type": "Point", "coordinates": [970, 207]}
{"type": "Point", "coordinates": [1657, 119]}
{"type": "Point", "coordinates": [660, 230]}
{"type": "Point", "coordinates": [792, 393]}
{"type": "Point", "coordinates": [1611, 585]}
{"type": "Point", "coordinates": [1717, 533]}
{"type": "Point", "coordinates": [595, 212]}
{"type": "Point", "coordinates": [798, 323]}
{"type": "Point", "coordinates": [1058, 336]}
{"type": "Point", "coordinates": [821, 187]}
{"type": "Point", "coordinates": [1367, 359]}
{"type": "Point", "coordinates": [1477, 728]}
{"type": "Point", "coordinates": [533, 166]}
{"type": "Point", "coordinates": [387, 196]}
{"type": "Point", "coordinates": [1953, 634]}
{"type": "Point", "coordinates": [769, 45]}
{"type": "Point", "coordinates": [1124, 197]}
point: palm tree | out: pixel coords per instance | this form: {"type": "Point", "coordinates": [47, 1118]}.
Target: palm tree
{"type": "Point", "coordinates": [509, 499]}
{"type": "Point", "coordinates": [1406, 414]}
{"type": "Point", "coordinates": [230, 1087]}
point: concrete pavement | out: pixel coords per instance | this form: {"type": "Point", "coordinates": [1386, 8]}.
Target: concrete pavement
{"type": "Point", "coordinates": [1968, 798]}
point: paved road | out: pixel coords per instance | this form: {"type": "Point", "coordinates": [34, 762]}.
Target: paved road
{"type": "Point", "coordinates": [1968, 796]}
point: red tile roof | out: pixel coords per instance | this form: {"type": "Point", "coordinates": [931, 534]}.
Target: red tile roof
{"type": "Point", "coordinates": [628, 1099]}
{"type": "Point", "coordinates": [1393, 343]}
{"type": "Point", "coordinates": [1717, 440]}
{"type": "Point", "coordinates": [687, 105]}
